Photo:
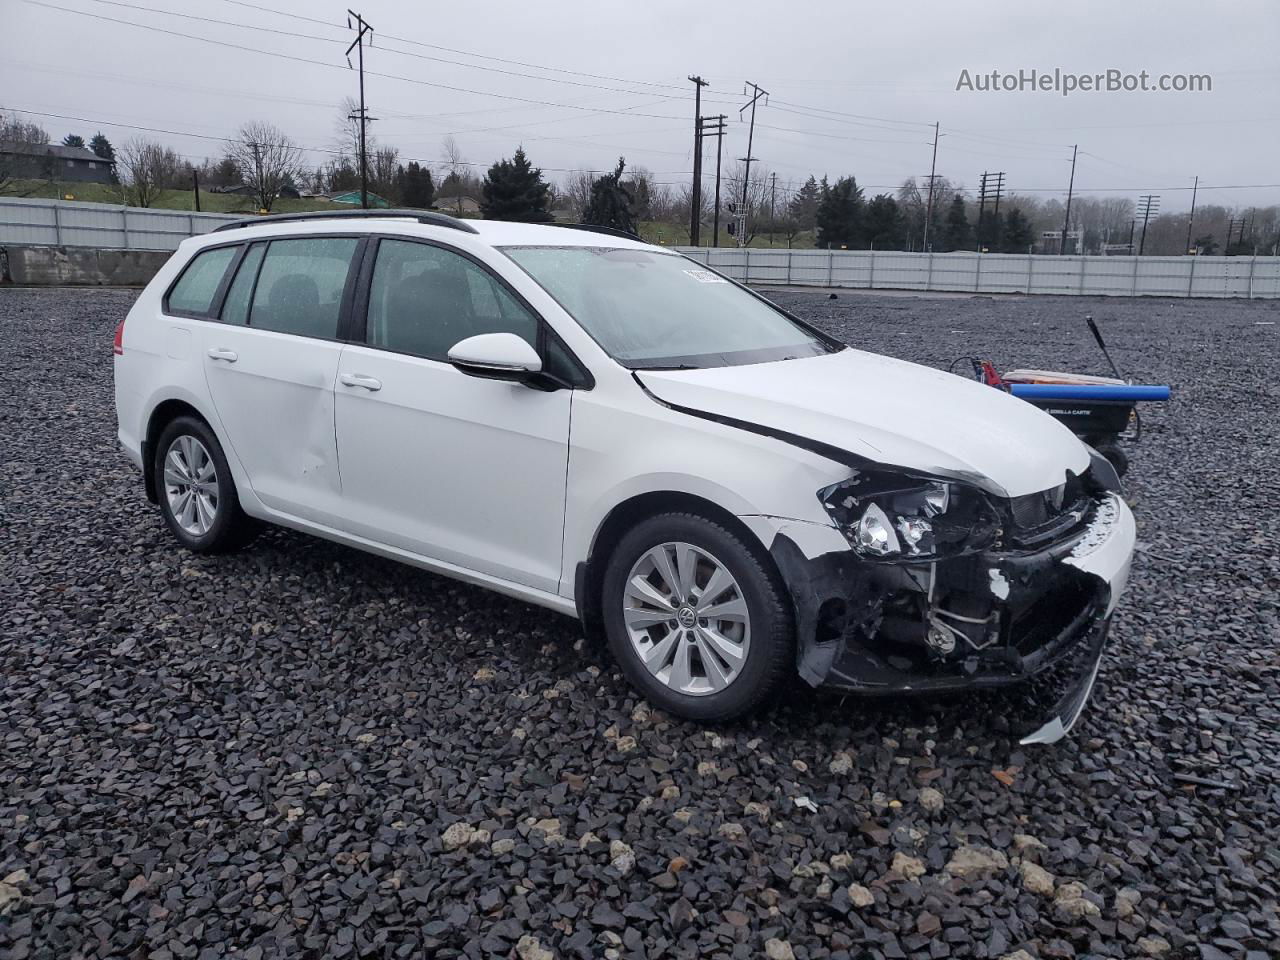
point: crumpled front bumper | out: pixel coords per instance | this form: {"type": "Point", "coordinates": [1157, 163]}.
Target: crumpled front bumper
{"type": "Point", "coordinates": [1029, 611]}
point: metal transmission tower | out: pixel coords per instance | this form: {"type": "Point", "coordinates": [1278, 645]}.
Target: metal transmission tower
{"type": "Point", "coordinates": [1232, 223]}
{"type": "Point", "coordinates": [715, 127]}
{"type": "Point", "coordinates": [992, 185]}
{"type": "Point", "coordinates": [695, 217]}
{"type": "Point", "coordinates": [1148, 204]}
{"type": "Point", "coordinates": [361, 28]}
{"type": "Point", "coordinates": [933, 176]}
{"type": "Point", "coordinates": [756, 94]}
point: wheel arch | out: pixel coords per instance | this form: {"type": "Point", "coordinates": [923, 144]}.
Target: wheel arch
{"type": "Point", "coordinates": [589, 573]}
{"type": "Point", "coordinates": [162, 414]}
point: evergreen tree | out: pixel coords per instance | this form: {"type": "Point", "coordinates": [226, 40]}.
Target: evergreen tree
{"type": "Point", "coordinates": [610, 204]}
{"type": "Point", "coordinates": [1017, 233]}
{"type": "Point", "coordinates": [883, 223]}
{"type": "Point", "coordinates": [839, 215]}
{"type": "Point", "coordinates": [956, 233]}
{"type": "Point", "coordinates": [415, 185]}
{"type": "Point", "coordinates": [514, 190]}
{"type": "Point", "coordinates": [73, 140]}
{"type": "Point", "coordinates": [804, 205]}
{"type": "Point", "coordinates": [102, 147]}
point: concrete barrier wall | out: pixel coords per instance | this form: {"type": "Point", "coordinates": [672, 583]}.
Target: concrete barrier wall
{"type": "Point", "coordinates": [78, 266]}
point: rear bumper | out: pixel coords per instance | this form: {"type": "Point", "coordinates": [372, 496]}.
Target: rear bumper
{"type": "Point", "coordinates": [865, 628]}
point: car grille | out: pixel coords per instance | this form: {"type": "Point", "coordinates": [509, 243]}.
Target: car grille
{"type": "Point", "coordinates": [1039, 519]}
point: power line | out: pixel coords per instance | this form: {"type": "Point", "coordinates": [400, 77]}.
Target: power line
{"type": "Point", "coordinates": [334, 66]}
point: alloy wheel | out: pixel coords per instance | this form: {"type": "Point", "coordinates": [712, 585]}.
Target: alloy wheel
{"type": "Point", "coordinates": [191, 485]}
{"type": "Point", "coordinates": [687, 618]}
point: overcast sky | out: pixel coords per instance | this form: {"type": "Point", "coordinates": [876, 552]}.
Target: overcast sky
{"type": "Point", "coordinates": [854, 88]}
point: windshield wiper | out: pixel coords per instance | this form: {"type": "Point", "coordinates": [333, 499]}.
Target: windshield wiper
{"type": "Point", "coordinates": [674, 366]}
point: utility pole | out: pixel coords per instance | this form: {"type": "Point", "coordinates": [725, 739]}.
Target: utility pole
{"type": "Point", "coordinates": [1148, 204]}
{"type": "Point", "coordinates": [991, 187]}
{"type": "Point", "coordinates": [995, 217]}
{"type": "Point", "coordinates": [1232, 223]}
{"type": "Point", "coordinates": [933, 173]}
{"type": "Point", "coordinates": [773, 199]}
{"type": "Point", "coordinates": [195, 187]}
{"type": "Point", "coordinates": [982, 207]}
{"type": "Point", "coordinates": [756, 94]}
{"type": "Point", "coordinates": [1071, 186]}
{"type": "Point", "coordinates": [1192, 219]}
{"type": "Point", "coordinates": [715, 126]}
{"type": "Point", "coordinates": [695, 217]}
{"type": "Point", "coordinates": [363, 113]}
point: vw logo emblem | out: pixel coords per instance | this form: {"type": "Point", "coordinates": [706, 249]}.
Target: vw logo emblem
{"type": "Point", "coordinates": [687, 617]}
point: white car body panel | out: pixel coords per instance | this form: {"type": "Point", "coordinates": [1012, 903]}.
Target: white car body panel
{"type": "Point", "coordinates": [892, 412]}
{"type": "Point", "coordinates": [476, 476]}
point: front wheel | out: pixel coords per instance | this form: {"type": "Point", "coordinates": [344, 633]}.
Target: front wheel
{"type": "Point", "coordinates": [197, 493]}
{"type": "Point", "coordinates": [697, 618]}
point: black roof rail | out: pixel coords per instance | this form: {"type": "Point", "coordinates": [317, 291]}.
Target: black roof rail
{"type": "Point", "coordinates": [597, 228]}
{"type": "Point", "coordinates": [422, 216]}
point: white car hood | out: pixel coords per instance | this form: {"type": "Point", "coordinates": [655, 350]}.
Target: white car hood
{"type": "Point", "coordinates": [891, 412]}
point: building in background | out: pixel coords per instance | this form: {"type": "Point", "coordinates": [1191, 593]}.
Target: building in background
{"type": "Point", "coordinates": [52, 161]}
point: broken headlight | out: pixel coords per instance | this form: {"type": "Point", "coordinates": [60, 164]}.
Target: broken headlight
{"type": "Point", "coordinates": [895, 517]}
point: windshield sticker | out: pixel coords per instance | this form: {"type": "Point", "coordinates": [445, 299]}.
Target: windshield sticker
{"type": "Point", "coordinates": [706, 276]}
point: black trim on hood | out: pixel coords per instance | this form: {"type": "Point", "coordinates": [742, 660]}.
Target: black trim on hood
{"type": "Point", "coordinates": [804, 443]}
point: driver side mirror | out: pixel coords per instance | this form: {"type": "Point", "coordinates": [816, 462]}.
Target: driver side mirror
{"type": "Point", "coordinates": [496, 356]}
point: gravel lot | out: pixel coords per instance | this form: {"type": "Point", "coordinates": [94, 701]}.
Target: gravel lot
{"type": "Point", "coordinates": [301, 750]}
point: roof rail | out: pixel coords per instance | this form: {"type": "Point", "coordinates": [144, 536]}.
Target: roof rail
{"type": "Point", "coordinates": [422, 216]}
{"type": "Point", "coordinates": [597, 228]}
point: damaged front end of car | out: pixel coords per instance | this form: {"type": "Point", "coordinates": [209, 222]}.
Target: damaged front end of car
{"type": "Point", "coordinates": [948, 586]}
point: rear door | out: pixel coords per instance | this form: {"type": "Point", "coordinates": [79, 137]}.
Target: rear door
{"type": "Point", "coordinates": [271, 365]}
{"type": "Point", "coordinates": [460, 469]}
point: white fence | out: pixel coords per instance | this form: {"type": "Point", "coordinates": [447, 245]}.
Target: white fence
{"type": "Point", "coordinates": [1248, 277]}
{"type": "Point", "coordinates": [66, 223]}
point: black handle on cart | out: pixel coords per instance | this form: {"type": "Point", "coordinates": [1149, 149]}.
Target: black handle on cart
{"type": "Point", "coordinates": [1097, 335]}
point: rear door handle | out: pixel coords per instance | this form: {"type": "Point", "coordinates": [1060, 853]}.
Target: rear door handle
{"type": "Point", "coordinates": [222, 353]}
{"type": "Point", "coordinates": [372, 384]}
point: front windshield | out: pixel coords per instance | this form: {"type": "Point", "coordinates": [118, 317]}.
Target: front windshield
{"type": "Point", "coordinates": [650, 309]}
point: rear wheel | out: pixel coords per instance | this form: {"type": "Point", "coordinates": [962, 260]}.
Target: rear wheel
{"type": "Point", "coordinates": [197, 493]}
{"type": "Point", "coordinates": [697, 618]}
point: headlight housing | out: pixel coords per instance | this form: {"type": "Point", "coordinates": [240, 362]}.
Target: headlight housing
{"type": "Point", "coordinates": [893, 517]}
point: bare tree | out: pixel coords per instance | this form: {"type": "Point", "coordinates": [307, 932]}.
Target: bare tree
{"type": "Point", "coordinates": [19, 148]}
{"type": "Point", "coordinates": [268, 160]}
{"type": "Point", "coordinates": [453, 186]}
{"type": "Point", "coordinates": [383, 164]}
{"type": "Point", "coordinates": [146, 168]}
{"type": "Point", "coordinates": [577, 190]}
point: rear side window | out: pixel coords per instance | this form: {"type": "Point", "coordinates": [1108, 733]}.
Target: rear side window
{"type": "Point", "coordinates": [235, 309]}
{"type": "Point", "coordinates": [195, 290]}
{"type": "Point", "coordinates": [300, 286]}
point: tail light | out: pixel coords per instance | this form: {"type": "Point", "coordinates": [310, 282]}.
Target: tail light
{"type": "Point", "coordinates": [117, 343]}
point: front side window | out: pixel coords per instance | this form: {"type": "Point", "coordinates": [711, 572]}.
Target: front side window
{"type": "Point", "coordinates": [194, 292]}
{"type": "Point", "coordinates": [424, 299]}
{"type": "Point", "coordinates": [650, 309]}
{"type": "Point", "coordinates": [300, 285]}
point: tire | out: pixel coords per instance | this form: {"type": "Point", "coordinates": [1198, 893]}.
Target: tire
{"type": "Point", "coordinates": [212, 521]}
{"type": "Point", "coordinates": [703, 668]}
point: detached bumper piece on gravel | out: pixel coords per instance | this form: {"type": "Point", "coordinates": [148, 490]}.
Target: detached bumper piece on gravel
{"type": "Point", "coordinates": [990, 619]}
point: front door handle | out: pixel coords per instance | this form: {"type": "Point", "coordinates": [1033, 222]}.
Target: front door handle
{"type": "Point", "coordinates": [222, 353]}
{"type": "Point", "coordinates": [371, 384]}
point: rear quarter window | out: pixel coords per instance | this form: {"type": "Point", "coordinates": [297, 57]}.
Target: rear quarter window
{"type": "Point", "coordinates": [194, 292]}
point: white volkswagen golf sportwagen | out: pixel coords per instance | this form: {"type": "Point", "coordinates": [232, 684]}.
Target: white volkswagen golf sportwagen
{"type": "Point", "coordinates": [611, 430]}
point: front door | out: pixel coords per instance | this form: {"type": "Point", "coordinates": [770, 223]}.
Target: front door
{"type": "Point", "coordinates": [460, 469]}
